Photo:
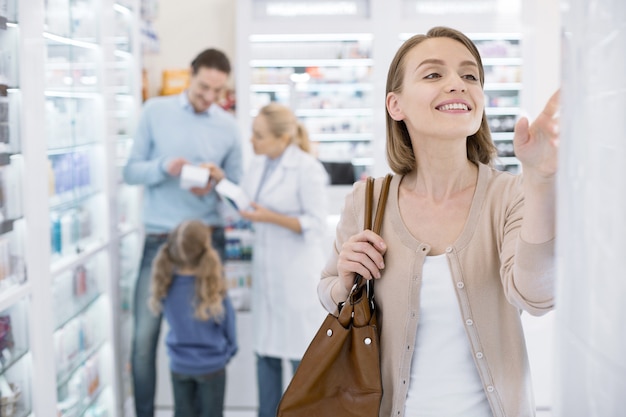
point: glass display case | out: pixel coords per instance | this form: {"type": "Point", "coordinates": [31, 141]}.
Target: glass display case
{"type": "Point", "coordinates": [129, 257]}
{"type": "Point", "coordinates": [81, 311]}
{"type": "Point", "coordinates": [86, 90]}
{"type": "Point", "coordinates": [15, 359]}
{"type": "Point", "coordinates": [123, 95]}
{"type": "Point", "coordinates": [15, 383]}
{"type": "Point", "coordinates": [12, 271]}
{"type": "Point", "coordinates": [12, 267]}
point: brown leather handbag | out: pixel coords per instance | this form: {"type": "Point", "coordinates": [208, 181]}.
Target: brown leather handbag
{"type": "Point", "coordinates": [339, 375]}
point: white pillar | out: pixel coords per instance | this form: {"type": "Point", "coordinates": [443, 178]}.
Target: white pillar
{"type": "Point", "coordinates": [591, 306]}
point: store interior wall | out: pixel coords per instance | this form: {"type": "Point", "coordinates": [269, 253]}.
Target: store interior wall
{"type": "Point", "coordinates": [592, 200]}
{"type": "Point", "coordinates": [185, 28]}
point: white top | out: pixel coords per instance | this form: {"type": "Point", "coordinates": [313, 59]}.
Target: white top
{"type": "Point", "coordinates": [444, 378]}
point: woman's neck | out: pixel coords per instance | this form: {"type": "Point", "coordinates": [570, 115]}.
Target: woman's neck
{"type": "Point", "coordinates": [441, 178]}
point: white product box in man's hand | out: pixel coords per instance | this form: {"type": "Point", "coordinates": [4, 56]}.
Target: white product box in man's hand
{"type": "Point", "coordinates": [193, 176]}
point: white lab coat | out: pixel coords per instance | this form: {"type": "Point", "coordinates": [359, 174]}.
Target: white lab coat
{"type": "Point", "coordinates": [286, 265]}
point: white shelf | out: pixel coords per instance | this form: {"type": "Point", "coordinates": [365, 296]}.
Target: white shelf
{"type": "Point", "coordinates": [502, 111]}
{"type": "Point", "coordinates": [341, 137]}
{"type": "Point", "coordinates": [311, 87]}
{"type": "Point", "coordinates": [487, 62]}
{"type": "Point", "coordinates": [12, 295]}
{"type": "Point", "coordinates": [502, 86]}
{"type": "Point", "coordinates": [288, 63]}
{"type": "Point", "coordinates": [309, 37]}
{"type": "Point", "coordinates": [365, 112]}
{"type": "Point", "coordinates": [499, 136]}
{"type": "Point", "coordinates": [69, 262]}
{"type": "Point", "coordinates": [88, 43]}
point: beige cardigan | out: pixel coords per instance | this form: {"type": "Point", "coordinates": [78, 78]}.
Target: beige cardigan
{"type": "Point", "coordinates": [495, 273]}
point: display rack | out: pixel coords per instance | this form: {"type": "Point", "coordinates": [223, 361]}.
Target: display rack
{"type": "Point", "coordinates": [60, 215]}
{"type": "Point", "coordinates": [78, 171]}
{"type": "Point", "coordinates": [327, 80]}
{"type": "Point", "coordinates": [15, 352]}
{"type": "Point", "coordinates": [331, 68]}
{"type": "Point", "coordinates": [325, 73]}
{"type": "Point", "coordinates": [123, 94]}
{"type": "Point", "coordinates": [502, 59]}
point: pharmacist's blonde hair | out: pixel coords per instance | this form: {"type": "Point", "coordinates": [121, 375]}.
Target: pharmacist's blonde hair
{"type": "Point", "coordinates": [189, 247]}
{"type": "Point", "coordinates": [282, 121]}
{"type": "Point", "coordinates": [400, 153]}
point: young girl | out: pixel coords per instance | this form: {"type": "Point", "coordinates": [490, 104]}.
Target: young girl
{"type": "Point", "coordinates": [188, 286]}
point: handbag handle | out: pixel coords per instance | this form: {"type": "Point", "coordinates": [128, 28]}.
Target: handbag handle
{"type": "Point", "coordinates": [382, 203]}
{"type": "Point", "coordinates": [378, 221]}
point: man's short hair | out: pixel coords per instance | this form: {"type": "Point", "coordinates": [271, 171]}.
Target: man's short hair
{"type": "Point", "coordinates": [211, 58]}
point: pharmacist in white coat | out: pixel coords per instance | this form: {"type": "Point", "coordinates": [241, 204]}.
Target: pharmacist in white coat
{"type": "Point", "coordinates": [288, 188]}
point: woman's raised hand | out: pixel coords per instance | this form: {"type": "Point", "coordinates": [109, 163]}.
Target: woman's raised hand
{"type": "Point", "coordinates": [536, 146]}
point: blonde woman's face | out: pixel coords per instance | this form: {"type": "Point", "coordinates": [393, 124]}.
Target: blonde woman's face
{"type": "Point", "coordinates": [441, 94]}
{"type": "Point", "coordinates": [264, 142]}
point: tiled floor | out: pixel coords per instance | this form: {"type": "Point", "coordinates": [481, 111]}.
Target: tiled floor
{"type": "Point", "coordinates": [227, 413]}
{"type": "Point", "coordinates": [252, 413]}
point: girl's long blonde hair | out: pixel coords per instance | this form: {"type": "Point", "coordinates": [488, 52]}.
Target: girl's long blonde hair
{"type": "Point", "coordinates": [189, 248]}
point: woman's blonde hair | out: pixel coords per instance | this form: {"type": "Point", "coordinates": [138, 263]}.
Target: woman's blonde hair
{"type": "Point", "coordinates": [189, 247]}
{"type": "Point", "coordinates": [400, 155]}
{"type": "Point", "coordinates": [281, 120]}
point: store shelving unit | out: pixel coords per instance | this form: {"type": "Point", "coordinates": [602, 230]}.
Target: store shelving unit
{"type": "Point", "coordinates": [81, 257]}
{"type": "Point", "coordinates": [15, 343]}
{"type": "Point", "coordinates": [502, 60]}
{"type": "Point", "coordinates": [123, 93]}
{"type": "Point", "coordinates": [325, 73]}
{"type": "Point", "coordinates": [331, 67]}
{"type": "Point", "coordinates": [60, 216]}
{"type": "Point", "coordinates": [327, 80]}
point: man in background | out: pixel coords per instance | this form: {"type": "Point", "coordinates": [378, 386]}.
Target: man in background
{"type": "Point", "coordinates": [174, 131]}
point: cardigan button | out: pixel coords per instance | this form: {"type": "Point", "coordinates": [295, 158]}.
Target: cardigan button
{"type": "Point", "coordinates": [479, 355]}
{"type": "Point", "coordinates": [329, 332]}
{"type": "Point", "coordinates": [460, 285]}
{"type": "Point", "coordinates": [490, 388]}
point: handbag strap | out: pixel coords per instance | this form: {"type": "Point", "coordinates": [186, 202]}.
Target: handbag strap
{"type": "Point", "coordinates": [382, 203]}
{"type": "Point", "coordinates": [378, 221]}
{"type": "Point", "coordinates": [369, 197]}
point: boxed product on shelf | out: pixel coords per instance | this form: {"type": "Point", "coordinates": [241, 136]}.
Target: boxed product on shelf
{"type": "Point", "coordinates": [239, 278]}
{"type": "Point", "coordinates": [5, 133]}
{"type": "Point", "coordinates": [9, 397]}
{"type": "Point", "coordinates": [174, 81]}
{"type": "Point", "coordinates": [10, 190]}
